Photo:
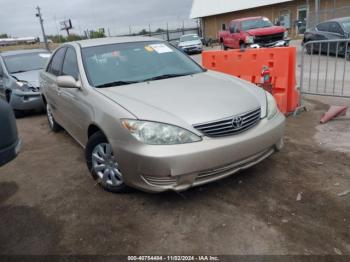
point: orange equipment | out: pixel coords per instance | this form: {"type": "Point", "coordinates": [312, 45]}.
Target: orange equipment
{"type": "Point", "coordinates": [334, 111]}
{"type": "Point", "coordinates": [277, 63]}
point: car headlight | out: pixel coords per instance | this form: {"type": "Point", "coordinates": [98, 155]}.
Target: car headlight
{"type": "Point", "coordinates": [271, 106]}
{"type": "Point", "coordinates": [249, 40]}
{"type": "Point", "coordinates": [154, 133]}
{"type": "Point", "coordinates": [285, 35]}
{"type": "Point", "coordinates": [23, 85]}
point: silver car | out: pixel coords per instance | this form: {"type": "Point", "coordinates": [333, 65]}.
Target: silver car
{"type": "Point", "coordinates": [149, 117]}
{"type": "Point", "coordinates": [19, 78]}
{"type": "Point", "coordinates": [190, 44]}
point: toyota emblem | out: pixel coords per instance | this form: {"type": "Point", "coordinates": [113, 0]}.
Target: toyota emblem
{"type": "Point", "coordinates": [237, 122]}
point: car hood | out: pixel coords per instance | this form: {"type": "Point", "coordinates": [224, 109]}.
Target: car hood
{"type": "Point", "coordinates": [266, 30]}
{"type": "Point", "coordinates": [31, 77]}
{"type": "Point", "coordinates": [190, 43]}
{"type": "Point", "coordinates": [188, 100]}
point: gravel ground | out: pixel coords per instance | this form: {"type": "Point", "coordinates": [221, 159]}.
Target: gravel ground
{"type": "Point", "coordinates": [289, 204]}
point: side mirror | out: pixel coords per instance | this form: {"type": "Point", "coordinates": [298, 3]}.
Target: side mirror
{"type": "Point", "coordinates": [67, 82]}
{"type": "Point", "coordinates": [238, 31]}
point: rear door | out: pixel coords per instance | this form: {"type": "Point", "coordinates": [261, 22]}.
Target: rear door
{"type": "Point", "coordinates": [49, 85]}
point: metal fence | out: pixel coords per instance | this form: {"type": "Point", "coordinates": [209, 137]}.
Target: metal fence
{"type": "Point", "coordinates": [170, 35]}
{"type": "Point", "coordinates": [322, 15]}
{"type": "Point", "coordinates": [325, 68]}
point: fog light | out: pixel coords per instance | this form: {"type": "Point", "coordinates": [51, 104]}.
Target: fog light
{"type": "Point", "coordinates": [279, 145]}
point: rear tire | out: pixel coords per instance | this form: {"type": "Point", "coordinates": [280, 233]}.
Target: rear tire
{"type": "Point", "coordinates": [54, 126]}
{"type": "Point", "coordinates": [103, 164]}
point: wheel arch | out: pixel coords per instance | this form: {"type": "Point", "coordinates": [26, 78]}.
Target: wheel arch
{"type": "Point", "coordinates": [94, 128]}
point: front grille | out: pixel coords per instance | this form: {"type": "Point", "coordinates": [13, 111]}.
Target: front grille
{"type": "Point", "coordinates": [230, 126]}
{"type": "Point", "coordinates": [266, 39]}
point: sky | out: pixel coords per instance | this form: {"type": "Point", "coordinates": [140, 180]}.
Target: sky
{"type": "Point", "coordinates": [119, 16]}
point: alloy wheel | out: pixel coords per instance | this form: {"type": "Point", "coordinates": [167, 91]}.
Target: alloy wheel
{"type": "Point", "coordinates": [105, 165]}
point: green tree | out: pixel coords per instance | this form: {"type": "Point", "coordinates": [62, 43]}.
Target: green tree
{"type": "Point", "coordinates": [4, 36]}
{"type": "Point", "coordinates": [97, 34]}
{"type": "Point", "coordinates": [143, 32]}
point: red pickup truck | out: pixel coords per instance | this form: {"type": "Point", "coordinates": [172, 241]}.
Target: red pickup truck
{"type": "Point", "coordinates": [253, 32]}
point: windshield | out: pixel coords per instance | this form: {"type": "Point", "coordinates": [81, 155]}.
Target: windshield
{"type": "Point", "coordinates": [125, 63]}
{"type": "Point", "coordinates": [26, 62]}
{"type": "Point", "coordinates": [346, 26]}
{"type": "Point", "coordinates": [186, 38]}
{"type": "Point", "coordinates": [256, 23]}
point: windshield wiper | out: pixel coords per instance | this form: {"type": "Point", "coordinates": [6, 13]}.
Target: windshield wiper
{"type": "Point", "coordinates": [19, 71]}
{"type": "Point", "coordinates": [165, 76]}
{"type": "Point", "coordinates": [117, 83]}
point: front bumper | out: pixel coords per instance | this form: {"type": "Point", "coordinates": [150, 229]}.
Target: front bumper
{"type": "Point", "coordinates": [192, 49]}
{"type": "Point", "coordinates": [279, 43]}
{"type": "Point", "coordinates": [179, 167]}
{"type": "Point", "coordinates": [26, 100]}
{"type": "Point", "coordinates": [9, 153]}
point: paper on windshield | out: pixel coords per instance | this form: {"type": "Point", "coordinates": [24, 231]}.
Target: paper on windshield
{"type": "Point", "coordinates": [161, 48]}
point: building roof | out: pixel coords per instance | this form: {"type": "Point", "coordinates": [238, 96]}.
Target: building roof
{"type": "Point", "coordinates": [202, 8]}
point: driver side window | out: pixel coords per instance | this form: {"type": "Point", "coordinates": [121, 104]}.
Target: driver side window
{"type": "Point", "coordinates": [70, 64]}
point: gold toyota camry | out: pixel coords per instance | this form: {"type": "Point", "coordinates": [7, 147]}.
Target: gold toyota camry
{"type": "Point", "coordinates": [151, 118]}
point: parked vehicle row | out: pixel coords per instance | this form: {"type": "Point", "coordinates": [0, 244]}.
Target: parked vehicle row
{"type": "Point", "coordinates": [150, 118]}
{"type": "Point", "coordinates": [19, 74]}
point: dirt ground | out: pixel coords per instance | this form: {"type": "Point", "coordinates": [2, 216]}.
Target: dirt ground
{"type": "Point", "coordinates": [50, 205]}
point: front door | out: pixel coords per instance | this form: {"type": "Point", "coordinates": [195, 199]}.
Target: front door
{"type": "Point", "coordinates": [301, 20]}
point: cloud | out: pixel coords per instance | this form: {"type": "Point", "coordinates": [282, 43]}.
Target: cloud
{"type": "Point", "coordinates": [18, 16]}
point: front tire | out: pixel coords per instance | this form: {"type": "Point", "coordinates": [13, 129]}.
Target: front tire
{"type": "Point", "coordinates": [223, 47]}
{"type": "Point", "coordinates": [54, 126]}
{"type": "Point", "coordinates": [103, 164]}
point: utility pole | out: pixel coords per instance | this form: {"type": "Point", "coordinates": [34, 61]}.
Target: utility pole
{"type": "Point", "coordinates": [317, 11]}
{"type": "Point", "coordinates": [38, 14]}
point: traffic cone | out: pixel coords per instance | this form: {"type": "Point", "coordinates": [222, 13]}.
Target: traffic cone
{"type": "Point", "coordinates": [334, 111]}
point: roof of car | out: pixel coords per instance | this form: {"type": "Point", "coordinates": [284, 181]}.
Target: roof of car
{"type": "Point", "coordinates": [341, 19]}
{"type": "Point", "coordinates": [20, 52]}
{"type": "Point", "coordinates": [115, 40]}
